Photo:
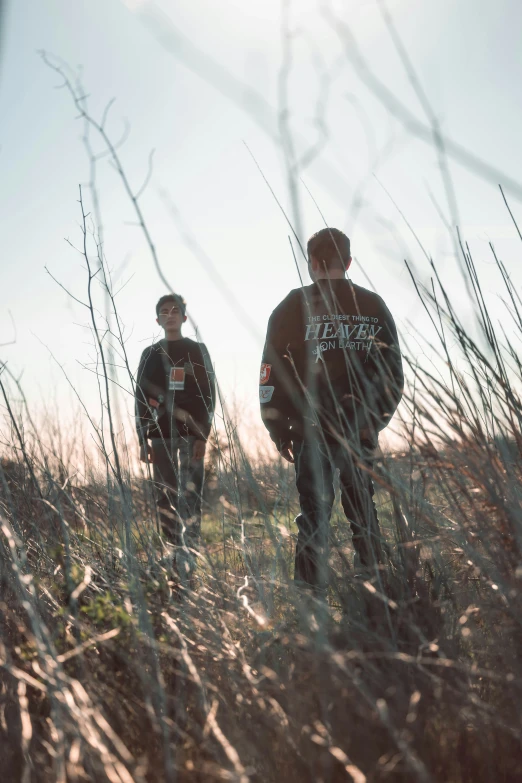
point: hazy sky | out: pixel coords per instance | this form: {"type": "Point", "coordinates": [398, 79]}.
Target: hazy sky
{"type": "Point", "coordinates": [198, 81]}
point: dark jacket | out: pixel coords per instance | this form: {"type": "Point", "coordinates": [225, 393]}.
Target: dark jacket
{"type": "Point", "coordinates": [175, 390]}
{"type": "Point", "coordinates": [331, 360]}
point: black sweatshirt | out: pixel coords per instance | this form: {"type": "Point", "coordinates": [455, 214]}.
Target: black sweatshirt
{"type": "Point", "coordinates": [331, 358]}
{"type": "Point", "coordinates": [175, 390]}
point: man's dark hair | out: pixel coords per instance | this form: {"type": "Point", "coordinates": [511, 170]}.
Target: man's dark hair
{"type": "Point", "coordinates": [176, 299]}
{"type": "Point", "coordinates": [329, 246]}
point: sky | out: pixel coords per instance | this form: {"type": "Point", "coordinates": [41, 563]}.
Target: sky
{"type": "Point", "coordinates": [211, 88]}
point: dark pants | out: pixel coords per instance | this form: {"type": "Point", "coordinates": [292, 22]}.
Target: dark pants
{"type": "Point", "coordinates": [178, 481]}
{"type": "Point", "coordinates": [315, 465]}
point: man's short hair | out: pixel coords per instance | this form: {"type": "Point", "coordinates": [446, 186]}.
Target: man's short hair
{"type": "Point", "coordinates": [175, 299]}
{"type": "Point", "coordinates": [329, 246]}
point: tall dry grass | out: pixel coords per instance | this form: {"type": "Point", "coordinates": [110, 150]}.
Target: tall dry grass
{"type": "Point", "coordinates": [109, 672]}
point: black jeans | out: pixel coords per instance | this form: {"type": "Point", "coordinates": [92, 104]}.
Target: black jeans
{"type": "Point", "coordinates": [315, 464]}
{"type": "Point", "coordinates": [178, 481]}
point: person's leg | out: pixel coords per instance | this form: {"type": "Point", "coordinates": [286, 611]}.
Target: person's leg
{"type": "Point", "coordinates": [192, 474]}
{"type": "Point", "coordinates": [166, 473]}
{"type": "Point", "coordinates": [314, 481]}
{"type": "Point", "coordinates": [357, 493]}
{"type": "Point", "coordinates": [191, 477]}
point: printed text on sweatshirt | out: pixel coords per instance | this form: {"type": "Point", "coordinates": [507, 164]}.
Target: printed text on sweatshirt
{"type": "Point", "coordinates": [331, 358]}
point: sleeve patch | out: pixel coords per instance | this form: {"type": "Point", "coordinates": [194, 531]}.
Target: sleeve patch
{"type": "Point", "coordinates": [264, 375]}
{"type": "Point", "coordinates": [265, 393]}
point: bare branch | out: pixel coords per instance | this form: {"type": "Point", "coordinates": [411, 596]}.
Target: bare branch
{"type": "Point", "coordinates": [65, 289]}
{"type": "Point", "coordinates": [106, 112]}
{"type": "Point", "coordinates": [148, 176]}
{"type": "Point", "coordinates": [13, 341]}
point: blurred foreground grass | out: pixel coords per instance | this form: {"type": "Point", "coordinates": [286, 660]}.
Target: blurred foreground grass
{"type": "Point", "coordinates": [108, 673]}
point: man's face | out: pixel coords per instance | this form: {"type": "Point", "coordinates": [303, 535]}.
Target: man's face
{"type": "Point", "coordinates": [170, 316]}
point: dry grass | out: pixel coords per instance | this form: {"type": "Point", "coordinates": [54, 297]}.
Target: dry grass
{"type": "Point", "coordinates": [108, 672]}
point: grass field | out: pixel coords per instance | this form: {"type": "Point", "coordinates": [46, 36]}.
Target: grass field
{"type": "Point", "coordinates": [110, 672]}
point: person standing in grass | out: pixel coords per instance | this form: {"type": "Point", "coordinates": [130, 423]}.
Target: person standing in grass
{"type": "Point", "coordinates": [331, 379]}
{"type": "Point", "coordinates": [175, 400]}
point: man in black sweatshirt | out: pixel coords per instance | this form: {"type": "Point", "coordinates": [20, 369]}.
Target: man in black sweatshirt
{"type": "Point", "coordinates": [331, 379]}
{"type": "Point", "coordinates": [175, 400]}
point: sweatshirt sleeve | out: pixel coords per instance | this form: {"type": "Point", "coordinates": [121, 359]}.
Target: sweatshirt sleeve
{"type": "Point", "coordinates": [276, 381]}
{"type": "Point", "coordinates": [390, 375]}
{"type": "Point", "coordinates": [205, 401]}
{"type": "Point", "coordinates": [142, 412]}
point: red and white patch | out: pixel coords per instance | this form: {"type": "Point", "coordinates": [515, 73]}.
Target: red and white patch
{"type": "Point", "coordinates": [153, 403]}
{"type": "Point", "coordinates": [264, 375]}
{"type": "Point", "coordinates": [177, 378]}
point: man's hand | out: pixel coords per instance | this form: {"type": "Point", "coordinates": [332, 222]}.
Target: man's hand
{"type": "Point", "coordinates": [146, 452]}
{"type": "Point", "coordinates": [198, 452]}
{"type": "Point", "coordinates": [285, 450]}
